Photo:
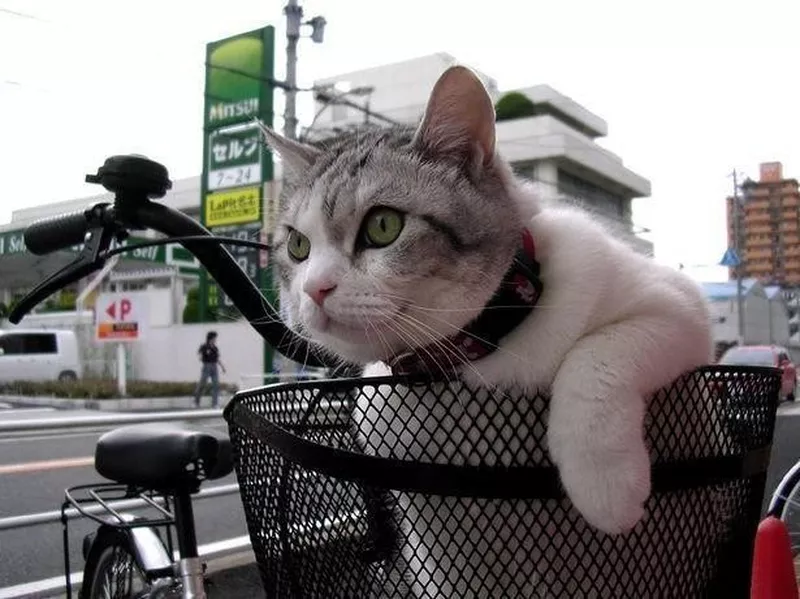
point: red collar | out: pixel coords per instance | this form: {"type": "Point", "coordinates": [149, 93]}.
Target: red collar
{"type": "Point", "coordinates": [511, 303]}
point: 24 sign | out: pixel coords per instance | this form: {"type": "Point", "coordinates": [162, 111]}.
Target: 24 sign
{"type": "Point", "coordinates": [234, 157]}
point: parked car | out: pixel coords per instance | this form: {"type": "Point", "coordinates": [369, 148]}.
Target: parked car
{"type": "Point", "coordinates": [39, 355]}
{"type": "Point", "coordinates": [765, 355]}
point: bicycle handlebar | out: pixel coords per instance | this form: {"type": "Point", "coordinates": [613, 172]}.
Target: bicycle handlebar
{"type": "Point", "coordinates": [232, 280]}
{"type": "Point", "coordinates": [134, 181]}
{"type": "Point", "coordinates": [56, 233]}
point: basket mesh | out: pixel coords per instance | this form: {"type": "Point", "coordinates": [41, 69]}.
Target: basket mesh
{"type": "Point", "coordinates": [394, 488]}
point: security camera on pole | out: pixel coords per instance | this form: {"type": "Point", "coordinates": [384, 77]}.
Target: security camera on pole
{"type": "Point", "coordinates": [294, 19]}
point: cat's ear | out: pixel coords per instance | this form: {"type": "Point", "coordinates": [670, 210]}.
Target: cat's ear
{"type": "Point", "coordinates": [297, 156]}
{"type": "Point", "coordinates": [459, 119]}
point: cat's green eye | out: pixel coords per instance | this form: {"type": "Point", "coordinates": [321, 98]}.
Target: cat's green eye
{"type": "Point", "coordinates": [298, 245]}
{"type": "Point", "coordinates": [382, 226]}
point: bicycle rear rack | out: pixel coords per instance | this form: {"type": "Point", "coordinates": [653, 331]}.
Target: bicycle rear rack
{"type": "Point", "coordinates": [105, 503]}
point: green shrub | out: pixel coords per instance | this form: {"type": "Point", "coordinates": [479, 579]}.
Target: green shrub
{"type": "Point", "coordinates": [61, 302]}
{"type": "Point", "coordinates": [191, 313]}
{"type": "Point", "coordinates": [514, 105]}
{"type": "Point", "coordinates": [103, 388]}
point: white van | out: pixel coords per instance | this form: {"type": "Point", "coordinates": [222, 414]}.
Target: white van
{"type": "Point", "coordinates": [39, 355]}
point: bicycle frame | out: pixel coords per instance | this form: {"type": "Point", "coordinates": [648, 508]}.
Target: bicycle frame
{"type": "Point", "coordinates": [780, 495]}
{"type": "Point", "coordinates": [152, 555]}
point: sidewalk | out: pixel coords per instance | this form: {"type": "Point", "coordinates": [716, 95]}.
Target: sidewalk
{"type": "Point", "coordinates": [231, 577]}
{"type": "Point", "coordinates": [128, 404]}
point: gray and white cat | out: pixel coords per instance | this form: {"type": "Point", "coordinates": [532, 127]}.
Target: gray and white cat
{"type": "Point", "coordinates": [389, 240]}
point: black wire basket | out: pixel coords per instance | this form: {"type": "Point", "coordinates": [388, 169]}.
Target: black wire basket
{"type": "Point", "coordinates": [395, 487]}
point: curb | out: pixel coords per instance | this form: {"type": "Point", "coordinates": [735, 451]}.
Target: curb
{"type": "Point", "coordinates": [127, 404]}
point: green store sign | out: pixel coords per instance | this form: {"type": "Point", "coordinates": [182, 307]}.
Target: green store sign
{"type": "Point", "coordinates": [235, 78]}
{"type": "Point", "coordinates": [13, 243]}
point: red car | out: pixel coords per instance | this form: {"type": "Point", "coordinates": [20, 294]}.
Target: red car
{"type": "Point", "coordinates": [765, 355]}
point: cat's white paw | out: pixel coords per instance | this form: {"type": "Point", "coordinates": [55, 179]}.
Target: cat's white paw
{"type": "Point", "coordinates": [608, 487]}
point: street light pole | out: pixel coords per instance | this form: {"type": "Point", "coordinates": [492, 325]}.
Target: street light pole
{"type": "Point", "coordinates": [737, 215]}
{"type": "Point", "coordinates": [294, 17]}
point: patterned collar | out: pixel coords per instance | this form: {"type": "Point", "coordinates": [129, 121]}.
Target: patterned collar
{"type": "Point", "coordinates": [513, 301]}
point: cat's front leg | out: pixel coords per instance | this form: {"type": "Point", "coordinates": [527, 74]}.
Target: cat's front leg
{"type": "Point", "coordinates": [595, 434]}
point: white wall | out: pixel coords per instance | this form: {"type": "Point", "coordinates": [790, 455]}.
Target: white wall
{"type": "Point", "coordinates": [170, 353]}
{"type": "Point", "coordinates": [779, 318]}
{"type": "Point", "coordinates": [401, 89]}
{"type": "Point", "coordinates": [756, 318]}
{"type": "Point", "coordinates": [757, 321]}
{"type": "Point", "coordinates": [166, 353]}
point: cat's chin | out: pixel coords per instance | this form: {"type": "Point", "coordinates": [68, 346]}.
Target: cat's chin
{"type": "Point", "coordinates": [353, 343]}
{"type": "Point", "coordinates": [357, 353]}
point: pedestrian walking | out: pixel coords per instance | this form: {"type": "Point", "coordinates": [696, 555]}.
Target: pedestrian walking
{"type": "Point", "coordinates": [209, 356]}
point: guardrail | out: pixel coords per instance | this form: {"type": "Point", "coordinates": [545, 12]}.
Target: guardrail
{"type": "Point", "coordinates": [42, 424]}
{"type": "Point", "coordinates": [54, 516]}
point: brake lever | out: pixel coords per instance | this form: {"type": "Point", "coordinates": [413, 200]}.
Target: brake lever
{"type": "Point", "coordinates": [98, 240]}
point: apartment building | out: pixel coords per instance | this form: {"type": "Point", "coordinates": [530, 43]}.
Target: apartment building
{"type": "Point", "coordinates": [769, 227]}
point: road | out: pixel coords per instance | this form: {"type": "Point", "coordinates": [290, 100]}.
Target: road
{"type": "Point", "coordinates": [35, 469]}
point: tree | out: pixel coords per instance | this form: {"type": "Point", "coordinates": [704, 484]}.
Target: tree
{"type": "Point", "coordinates": [64, 301]}
{"type": "Point", "coordinates": [191, 312]}
{"type": "Point", "coordinates": [514, 105]}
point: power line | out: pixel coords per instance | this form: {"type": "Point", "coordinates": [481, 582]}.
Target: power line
{"type": "Point", "coordinates": [22, 15]}
{"type": "Point", "coordinates": [345, 102]}
{"type": "Point", "coordinates": [274, 82]}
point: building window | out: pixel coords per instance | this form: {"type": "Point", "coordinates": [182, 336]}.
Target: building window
{"type": "Point", "coordinates": [592, 196]}
{"type": "Point", "coordinates": [523, 169]}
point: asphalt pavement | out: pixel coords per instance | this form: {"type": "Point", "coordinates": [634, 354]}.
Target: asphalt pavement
{"type": "Point", "coordinates": [35, 468]}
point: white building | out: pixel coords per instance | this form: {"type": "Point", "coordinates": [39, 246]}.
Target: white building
{"type": "Point", "coordinates": [766, 318]}
{"type": "Point", "coordinates": [556, 148]}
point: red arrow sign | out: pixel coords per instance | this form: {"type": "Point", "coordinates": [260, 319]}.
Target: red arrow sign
{"type": "Point", "coordinates": [124, 309]}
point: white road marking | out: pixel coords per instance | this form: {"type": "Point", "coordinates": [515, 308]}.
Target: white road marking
{"type": "Point", "coordinates": [57, 583]}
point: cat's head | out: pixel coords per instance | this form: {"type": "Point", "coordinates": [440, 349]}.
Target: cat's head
{"type": "Point", "coordinates": [391, 239]}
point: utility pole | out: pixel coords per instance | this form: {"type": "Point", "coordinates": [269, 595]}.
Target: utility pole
{"type": "Point", "coordinates": [294, 16]}
{"type": "Point", "coordinates": [294, 19]}
{"type": "Point", "coordinates": [737, 225]}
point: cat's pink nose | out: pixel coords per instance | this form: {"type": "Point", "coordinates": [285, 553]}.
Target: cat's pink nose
{"type": "Point", "coordinates": [318, 293]}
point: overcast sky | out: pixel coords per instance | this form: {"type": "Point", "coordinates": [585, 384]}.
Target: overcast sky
{"type": "Point", "coordinates": [690, 90]}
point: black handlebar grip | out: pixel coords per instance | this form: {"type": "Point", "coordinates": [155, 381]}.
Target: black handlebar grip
{"type": "Point", "coordinates": [56, 233]}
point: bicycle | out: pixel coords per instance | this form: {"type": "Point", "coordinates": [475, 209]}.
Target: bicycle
{"type": "Point", "coordinates": [126, 556]}
{"type": "Point", "coordinates": [321, 501]}
{"type": "Point", "coordinates": [785, 505]}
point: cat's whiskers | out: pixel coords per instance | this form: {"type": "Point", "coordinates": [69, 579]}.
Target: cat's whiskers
{"type": "Point", "coordinates": [422, 343]}
{"type": "Point", "coordinates": [405, 301]}
{"type": "Point", "coordinates": [482, 340]}
{"type": "Point", "coordinates": [449, 348]}
{"type": "Point", "coordinates": [369, 324]}
{"type": "Point", "coordinates": [494, 346]}
{"type": "Point", "coordinates": [410, 334]}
